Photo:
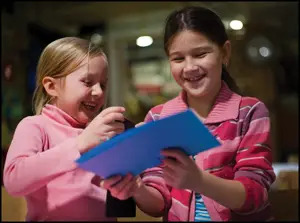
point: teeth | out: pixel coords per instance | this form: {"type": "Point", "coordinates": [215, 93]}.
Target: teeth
{"type": "Point", "coordinates": [193, 78]}
{"type": "Point", "coordinates": [90, 104]}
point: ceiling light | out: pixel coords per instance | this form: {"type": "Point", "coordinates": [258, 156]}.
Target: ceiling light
{"type": "Point", "coordinates": [236, 24]}
{"type": "Point", "coordinates": [144, 41]}
{"type": "Point", "coordinates": [264, 51]}
{"type": "Point", "coordinates": [96, 38]}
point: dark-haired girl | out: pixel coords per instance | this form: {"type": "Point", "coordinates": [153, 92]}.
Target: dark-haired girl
{"type": "Point", "coordinates": [230, 182]}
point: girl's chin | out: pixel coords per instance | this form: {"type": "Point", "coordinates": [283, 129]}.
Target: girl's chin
{"type": "Point", "coordinates": [195, 92]}
{"type": "Point", "coordinates": [87, 116]}
{"type": "Point", "coordinates": [84, 119]}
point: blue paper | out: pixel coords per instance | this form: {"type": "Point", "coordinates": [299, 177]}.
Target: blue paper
{"type": "Point", "coordinates": [139, 148]}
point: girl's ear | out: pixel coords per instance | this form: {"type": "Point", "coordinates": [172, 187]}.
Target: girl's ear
{"type": "Point", "coordinates": [50, 86]}
{"type": "Point", "coordinates": [226, 52]}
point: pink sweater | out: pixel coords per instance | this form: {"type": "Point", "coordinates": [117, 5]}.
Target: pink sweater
{"type": "Point", "coordinates": [242, 125]}
{"type": "Point", "coordinates": [40, 166]}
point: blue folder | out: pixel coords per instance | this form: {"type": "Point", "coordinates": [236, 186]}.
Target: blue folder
{"type": "Point", "coordinates": [139, 148]}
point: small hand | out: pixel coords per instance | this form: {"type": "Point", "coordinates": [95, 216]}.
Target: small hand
{"type": "Point", "coordinates": [179, 170]}
{"type": "Point", "coordinates": [122, 187]}
{"type": "Point", "coordinates": [104, 126]}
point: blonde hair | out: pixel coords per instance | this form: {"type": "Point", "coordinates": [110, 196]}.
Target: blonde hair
{"type": "Point", "coordinates": [60, 58]}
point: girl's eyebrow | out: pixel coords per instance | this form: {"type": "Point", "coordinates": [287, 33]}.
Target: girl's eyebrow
{"type": "Point", "coordinates": [200, 48]}
{"type": "Point", "coordinates": [90, 75]}
{"type": "Point", "coordinates": [203, 48]}
{"type": "Point", "coordinates": [86, 75]}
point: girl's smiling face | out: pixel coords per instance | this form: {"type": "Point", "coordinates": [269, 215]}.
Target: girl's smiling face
{"type": "Point", "coordinates": [196, 62]}
{"type": "Point", "coordinates": [81, 94]}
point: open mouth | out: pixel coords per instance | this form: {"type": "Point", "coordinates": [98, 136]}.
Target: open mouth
{"type": "Point", "coordinates": [194, 78]}
{"type": "Point", "coordinates": [90, 106]}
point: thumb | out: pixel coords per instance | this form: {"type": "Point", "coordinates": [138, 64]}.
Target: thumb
{"type": "Point", "coordinates": [140, 124]}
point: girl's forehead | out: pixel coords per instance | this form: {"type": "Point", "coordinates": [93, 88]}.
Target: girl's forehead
{"type": "Point", "coordinates": [94, 62]}
{"type": "Point", "coordinates": [96, 65]}
{"type": "Point", "coordinates": [189, 39]}
{"type": "Point", "coordinates": [183, 34]}
{"type": "Point", "coordinates": [91, 67]}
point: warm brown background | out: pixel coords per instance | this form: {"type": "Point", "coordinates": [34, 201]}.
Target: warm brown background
{"type": "Point", "coordinates": [274, 81]}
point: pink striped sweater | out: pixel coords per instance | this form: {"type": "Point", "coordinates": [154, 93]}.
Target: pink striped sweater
{"type": "Point", "coordinates": [242, 125]}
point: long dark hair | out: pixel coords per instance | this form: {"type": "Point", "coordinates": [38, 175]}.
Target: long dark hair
{"type": "Point", "coordinates": [201, 20]}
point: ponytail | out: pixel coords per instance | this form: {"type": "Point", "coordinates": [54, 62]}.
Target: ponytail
{"type": "Point", "coordinates": [230, 81]}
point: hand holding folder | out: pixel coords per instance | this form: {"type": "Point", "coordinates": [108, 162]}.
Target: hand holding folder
{"type": "Point", "coordinates": [139, 148]}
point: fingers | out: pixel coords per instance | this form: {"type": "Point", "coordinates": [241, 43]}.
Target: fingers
{"type": "Point", "coordinates": [137, 183]}
{"type": "Point", "coordinates": [109, 135]}
{"type": "Point", "coordinates": [113, 109]}
{"type": "Point", "coordinates": [109, 182]}
{"type": "Point", "coordinates": [170, 163]}
{"type": "Point", "coordinates": [121, 188]}
{"type": "Point", "coordinates": [169, 172]}
{"type": "Point", "coordinates": [127, 191]}
{"type": "Point", "coordinates": [117, 127]}
{"type": "Point", "coordinates": [176, 154]}
{"type": "Point", "coordinates": [120, 185]}
{"type": "Point", "coordinates": [111, 117]}
{"type": "Point", "coordinates": [140, 124]}
{"type": "Point", "coordinates": [113, 129]}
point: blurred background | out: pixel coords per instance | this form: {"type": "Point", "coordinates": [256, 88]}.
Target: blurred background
{"type": "Point", "coordinates": [264, 63]}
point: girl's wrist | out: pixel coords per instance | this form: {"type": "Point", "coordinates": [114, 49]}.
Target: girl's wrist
{"type": "Point", "coordinates": [198, 182]}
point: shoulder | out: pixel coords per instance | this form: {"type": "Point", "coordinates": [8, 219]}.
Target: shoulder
{"type": "Point", "coordinates": [32, 127]}
{"type": "Point", "coordinates": [250, 105]}
{"type": "Point", "coordinates": [253, 112]}
{"type": "Point", "coordinates": [29, 122]}
{"type": "Point", "coordinates": [249, 101]}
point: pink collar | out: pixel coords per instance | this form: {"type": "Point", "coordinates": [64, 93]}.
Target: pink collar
{"type": "Point", "coordinates": [59, 116]}
{"type": "Point", "coordinates": [226, 106]}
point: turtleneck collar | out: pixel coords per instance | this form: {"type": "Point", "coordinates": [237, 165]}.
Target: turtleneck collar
{"type": "Point", "coordinates": [56, 114]}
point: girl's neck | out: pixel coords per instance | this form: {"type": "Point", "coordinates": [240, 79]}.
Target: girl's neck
{"type": "Point", "coordinates": [203, 105]}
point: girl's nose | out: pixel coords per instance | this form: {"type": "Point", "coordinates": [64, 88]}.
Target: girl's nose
{"type": "Point", "coordinates": [97, 90]}
{"type": "Point", "coordinates": [190, 68]}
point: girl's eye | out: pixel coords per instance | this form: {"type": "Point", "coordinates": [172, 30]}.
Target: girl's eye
{"type": "Point", "coordinates": [87, 83]}
{"type": "Point", "coordinates": [177, 59]}
{"type": "Point", "coordinates": [103, 86]}
{"type": "Point", "coordinates": [201, 55]}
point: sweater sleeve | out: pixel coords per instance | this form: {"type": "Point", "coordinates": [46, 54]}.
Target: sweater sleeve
{"type": "Point", "coordinates": [153, 177]}
{"type": "Point", "coordinates": [27, 167]}
{"type": "Point", "coordinates": [254, 160]}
